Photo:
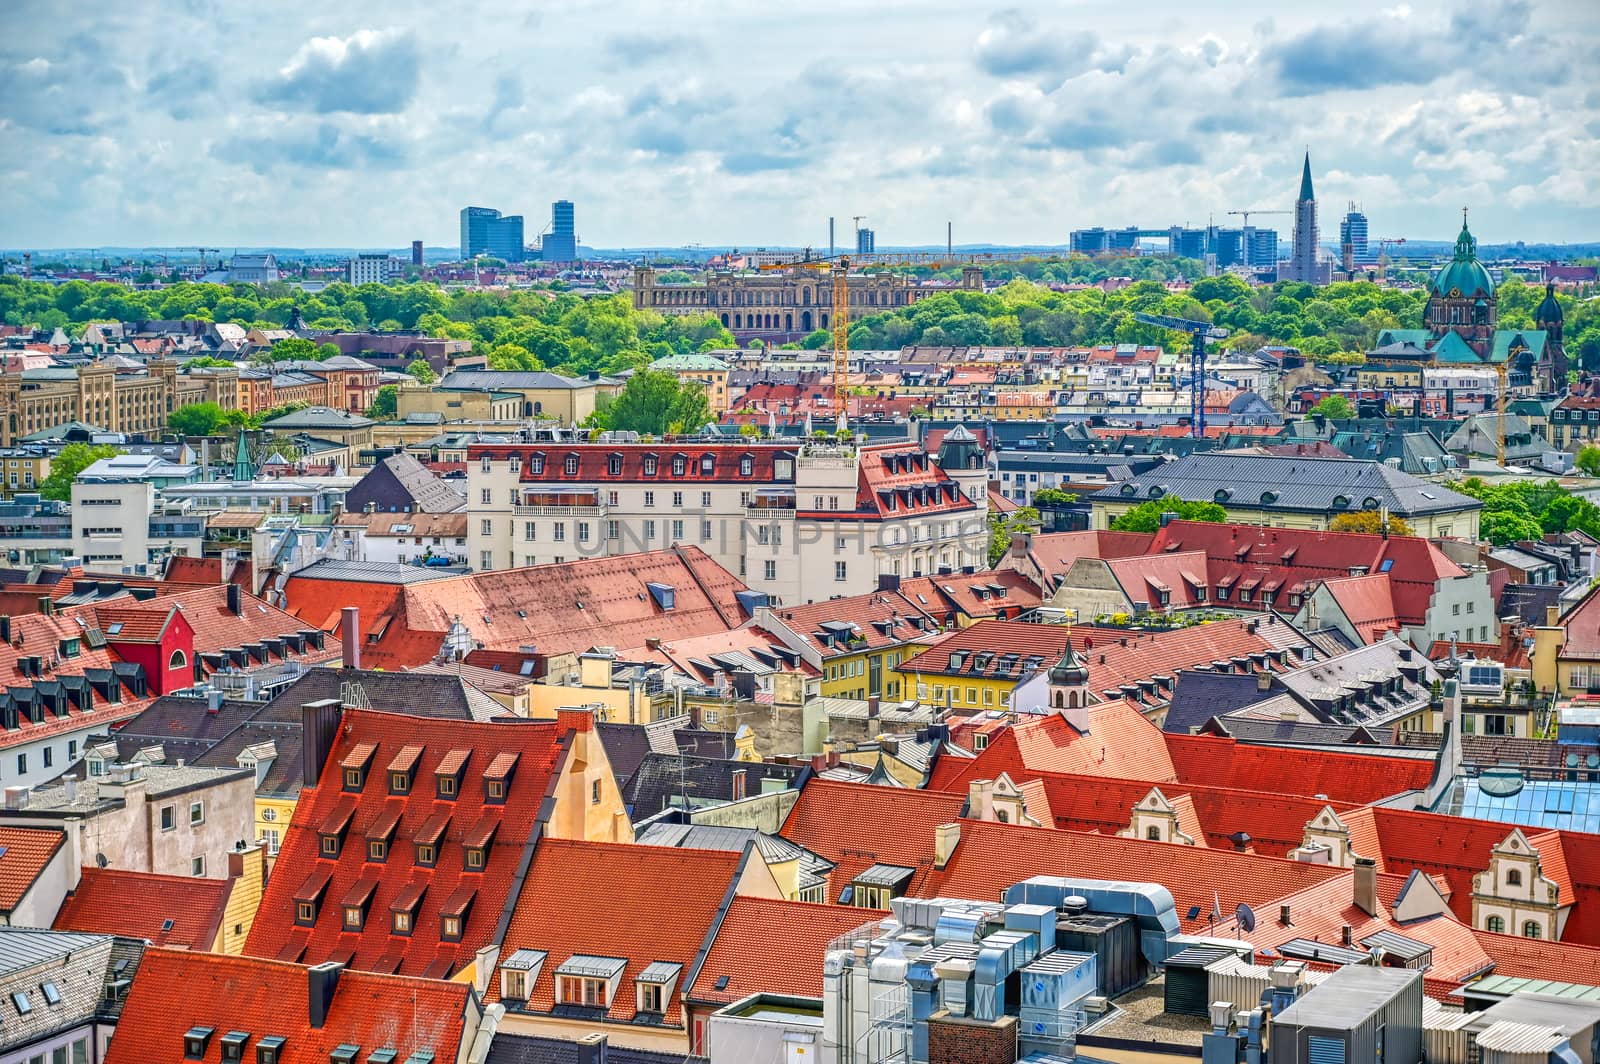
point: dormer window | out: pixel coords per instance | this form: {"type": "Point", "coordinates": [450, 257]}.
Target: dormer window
{"type": "Point", "coordinates": [477, 844]}
{"type": "Point", "coordinates": [355, 903]}
{"type": "Point", "coordinates": [680, 465]}
{"type": "Point", "coordinates": [447, 777]}
{"type": "Point", "coordinates": [331, 832]}
{"type": "Point", "coordinates": [195, 1041]}
{"type": "Point", "coordinates": [654, 986]}
{"type": "Point", "coordinates": [536, 465]}
{"type": "Point", "coordinates": [269, 1050]}
{"type": "Point", "coordinates": [708, 465]}
{"type": "Point", "coordinates": [356, 764]}
{"type": "Point", "coordinates": [233, 1044]}
{"type": "Point", "coordinates": [520, 972]}
{"type": "Point", "coordinates": [428, 838]}
{"type": "Point", "coordinates": [308, 899]}
{"type": "Point", "coordinates": [614, 465]}
{"type": "Point", "coordinates": [403, 910]}
{"type": "Point", "coordinates": [454, 912]}
{"type": "Point", "coordinates": [381, 834]}
{"type": "Point", "coordinates": [569, 465]}
{"type": "Point", "coordinates": [650, 463]}
{"type": "Point", "coordinates": [497, 778]}
{"type": "Point", "coordinates": [343, 1054]}
{"type": "Point", "coordinates": [403, 769]}
{"type": "Point", "coordinates": [747, 465]}
{"type": "Point", "coordinates": [588, 981]}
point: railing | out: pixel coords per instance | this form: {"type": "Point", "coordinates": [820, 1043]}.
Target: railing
{"type": "Point", "coordinates": [576, 510]}
{"type": "Point", "coordinates": [769, 513]}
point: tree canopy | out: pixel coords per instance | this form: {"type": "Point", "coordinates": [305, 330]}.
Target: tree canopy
{"type": "Point", "coordinates": [1146, 517]}
{"type": "Point", "coordinates": [655, 402]}
{"type": "Point", "coordinates": [1003, 526]}
{"type": "Point", "coordinates": [1335, 408]}
{"type": "Point", "coordinates": [1527, 510]}
{"type": "Point", "coordinates": [73, 459]}
{"type": "Point", "coordinates": [1370, 521]}
{"type": "Point", "coordinates": [385, 404]}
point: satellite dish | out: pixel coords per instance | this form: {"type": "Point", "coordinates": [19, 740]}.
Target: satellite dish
{"type": "Point", "coordinates": [1246, 917]}
{"type": "Point", "coordinates": [100, 859]}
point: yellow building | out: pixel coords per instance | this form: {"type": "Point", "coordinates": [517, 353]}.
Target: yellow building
{"type": "Point", "coordinates": [707, 370]}
{"type": "Point", "coordinates": [23, 469]}
{"type": "Point", "coordinates": [498, 395]}
{"type": "Point", "coordinates": [457, 405]}
{"type": "Point", "coordinates": [980, 668]}
{"type": "Point", "coordinates": [856, 642]}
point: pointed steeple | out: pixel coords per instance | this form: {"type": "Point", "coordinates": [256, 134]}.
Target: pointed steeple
{"type": "Point", "coordinates": [1305, 181]}
{"type": "Point", "coordinates": [1466, 243]}
{"type": "Point", "coordinates": [244, 470]}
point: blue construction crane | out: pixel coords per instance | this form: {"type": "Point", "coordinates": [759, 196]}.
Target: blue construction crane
{"type": "Point", "coordinates": [1200, 331]}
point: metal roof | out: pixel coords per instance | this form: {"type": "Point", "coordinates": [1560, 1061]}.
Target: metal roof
{"type": "Point", "coordinates": [593, 967]}
{"type": "Point", "coordinates": [1198, 957]}
{"type": "Point", "coordinates": [525, 960]}
{"type": "Point", "coordinates": [24, 947]}
{"type": "Point", "coordinates": [1349, 996]}
{"type": "Point", "coordinates": [659, 972]}
{"type": "Point", "coordinates": [1310, 950]}
{"type": "Point", "coordinates": [1512, 984]}
{"type": "Point", "coordinates": [885, 875]}
{"type": "Point", "coordinates": [1407, 949]}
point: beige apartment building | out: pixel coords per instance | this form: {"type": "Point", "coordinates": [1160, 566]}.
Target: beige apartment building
{"type": "Point", "coordinates": [800, 522]}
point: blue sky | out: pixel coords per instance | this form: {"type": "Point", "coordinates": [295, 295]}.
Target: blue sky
{"type": "Point", "coordinates": [166, 122]}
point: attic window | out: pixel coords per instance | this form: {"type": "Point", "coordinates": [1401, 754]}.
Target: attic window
{"type": "Point", "coordinates": [650, 463]}
{"type": "Point", "coordinates": [478, 843]}
{"type": "Point", "coordinates": [355, 765]}
{"type": "Point", "coordinates": [269, 1049]}
{"type": "Point", "coordinates": [52, 996]}
{"type": "Point", "coordinates": [708, 465]}
{"type": "Point", "coordinates": [680, 465]}
{"type": "Point", "coordinates": [570, 465]}
{"type": "Point", "coordinates": [447, 777]}
{"type": "Point", "coordinates": [664, 595]}
{"type": "Point", "coordinates": [536, 465]}
{"type": "Point", "coordinates": [386, 1055]}
{"type": "Point", "coordinates": [343, 1054]}
{"type": "Point", "coordinates": [453, 914]}
{"type": "Point", "coordinates": [355, 903]}
{"type": "Point", "coordinates": [614, 465]}
{"type": "Point", "coordinates": [332, 831]}
{"type": "Point", "coordinates": [403, 910]}
{"type": "Point", "coordinates": [308, 899]}
{"type": "Point", "coordinates": [233, 1044]}
{"type": "Point", "coordinates": [403, 769]}
{"type": "Point", "coordinates": [497, 778]}
{"type": "Point", "coordinates": [747, 465]}
{"type": "Point", "coordinates": [195, 1041]}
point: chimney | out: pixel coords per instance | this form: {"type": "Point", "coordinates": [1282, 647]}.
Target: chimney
{"type": "Point", "coordinates": [572, 718]}
{"type": "Point", "coordinates": [1283, 916]}
{"type": "Point", "coordinates": [1552, 616]}
{"type": "Point", "coordinates": [945, 839]}
{"type": "Point", "coordinates": [235, 600]}
{"type": "Point", "coordinates": [872, 706]}
{"type": "Point", "coordinates": [1347, 935]}
{"type": "Point", "coordinates": [322, 981]}
{"type": "Point", "coordinates": [739, 783]}
{"type": "Point", "coordinates": [5, 629]}
{"type": "Point", "coordinates": [350, 633]}
{"type": "Point", "coordinates": [319, 725]}
{"type": "Point", "coordinates": [592, 1049]}
{"type": "Point", "coordinates": [47, 605]}
{"type": "Point", "coordinates": [1263, 681]}
{"type": "Point", "coordinates": [1366, 887]}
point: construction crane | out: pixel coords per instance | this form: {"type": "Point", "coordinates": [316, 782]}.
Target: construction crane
{"type": "Point", "coordinates": [838, 267]}
{"type": "Point", "coordinates": [1248, 213]}
{"type": "Point", "coordinates": [202, 252]}
{"type": "Point", "coordinates": [1200, 332]}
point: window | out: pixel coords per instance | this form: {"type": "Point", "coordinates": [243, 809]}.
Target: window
{"type": "Point", "coordinates": [652, 997]}
{"type": "Point", "coordinates": [1496, 925]}
{"type": "Point", "coordinates": [680, 466]}
{"type": "Point", "coordinates": [486, 527]}
{"type": "Point", "coordinates": [769, 570]}
{"type": "Point", "coordinates": [650, 462]}
{"type": "Point", "coordinates": [233, 1045]}
{"type": "Point", "coordinates": [197, 866]}
{"type": "Point", "coordinates": [583, 531]}
{"type": "Point", "coordinates": [197, 813]}
{"type": "Point", "coordinates": [72, 749]}
{"type": "Point", "coordinates": [649, 498]}
{"type": "Point", "coordinates": [402, 922]}
{"type": "Point", "coordinates": [594, 793]}
{"type": "Point", "coordinates": [486, 560]}
{"type": "Point", "coordinates": [570, 465]}
{"type": "Point", "coordinates": [560, 531]}
{"type": "Point", "coordinates": [705, 531]}
{"type": "Point", "coordinates": [705, 499]}
{"type": "Point", "coordinates": [484, 497]}
{"type": "Point", "coordinates": [516, 464]}
{"type": "Point", "coordinates": [378, 850]}
{"type": "Point", "coordinates": [496, 791]}
{"type": "Point", "coordinates": [484, 466]}
{"type": "Point", "coordinates": [21, 1001]}
{"type": "Point", "coordinates": [649, 531]}
{"type": "Point", "coordinates": [1513, 877]}
{"type": "Point", "coordinates": [270, 837]}
{"type": "Point", "coordinates": [427, 854]}
{"type": "Point", "coordinates": [354, 917]}
{"type": "Point", "coordinates": [513, 985]}
{"type": "Point", "coordinates": [195, 1041]}
{"type": "Point", "coordinates": [49, 756]}
{"type": "Point", "coordinates": [747, 466]}
{"type": "Point", "coordinates": [450, 929]}
{"type": "Point", "coordinates": [677, 531]}
{"type": "Point", "coordinates": [475, 858]}
{"type": "Point", "coordinates": [573, 990]}
{"type": "Point", "coordinates": [1531, 929]}
{"type": "Point", "coordinates": [169, 817]}
{"type": "Point", "coordinates": [1153, 833]}
{"type": "Point", "coordinates": [530, 532]}
{"type": "Point", "coordinates": [22, 764]}
{"type": "Point", "coordinates": [841, 570]}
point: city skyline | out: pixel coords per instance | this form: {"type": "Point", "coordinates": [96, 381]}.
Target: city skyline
{"type": "Point", "coordinates": [367, 127]}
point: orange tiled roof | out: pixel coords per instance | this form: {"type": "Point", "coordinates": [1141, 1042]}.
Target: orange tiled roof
{"type": "Point", "coordinates": [180, 989]}
{"type": "Point", "coordinates": [1121, 744]}
{"type": "Point", "coordinates": [177, 911]}
{"type": "Point", "coordinates": [26, 853]}
{"type": "Point", "coordinates": [857, 825]}
{"type": "Point", "coordinates": [301, 869]}
{"type": "Point", "coordinates": [1342, 776]}
{"type": "Point", "coordinates": [1538, 959]}
{"type": "Point", "coordinates": [640, 904]}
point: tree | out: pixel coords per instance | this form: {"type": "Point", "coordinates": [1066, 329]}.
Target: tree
{"type": "Point", "coordinates": [1508, 526]}
{"type": "Point", "coordinates": [1003, 526]}
{"type": "Point", "coordinates": [73, 459]}
{"type": "Point", "coordinates": [749, 429]}
{"type": "Point", "coordinates": [385, 404]}
{"type": "Point", "coordinates": [207, 362]}
{"type": "Point", "coordinates": [297, 349]}
{"type": "Point", "coordinates": [1588, 460]}
{"type": "Point", "coordinates": [327, 351]}
{"type": "Point", "coordinates": [196, 419]}
{"type": "Point", "coordinates": [1335, 408]}
{"type": "Point", "coordinates": [1053, 497]}
{"type": "Point", "coordinates": [1370, 521]}
{"type": "Point", "coordinates": [656, 402]}
{"type": "Point", "coordinates": [1146, 517]}
{"type": "Point", "coordinates": [421, 371]}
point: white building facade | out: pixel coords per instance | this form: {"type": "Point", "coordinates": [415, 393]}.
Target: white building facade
{"type": "Point", "coordinates": [800, 522]}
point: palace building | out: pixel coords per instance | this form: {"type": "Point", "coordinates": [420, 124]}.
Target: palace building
{"type": "Point", "coordinates": [784, 306]}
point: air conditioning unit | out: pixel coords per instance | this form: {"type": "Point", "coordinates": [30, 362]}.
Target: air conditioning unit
{"type": "Point", "coordinates": [1095, 1003]}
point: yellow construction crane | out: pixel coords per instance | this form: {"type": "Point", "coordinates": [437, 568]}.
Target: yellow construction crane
{"type": "Point", "coordinates": [839, 270]}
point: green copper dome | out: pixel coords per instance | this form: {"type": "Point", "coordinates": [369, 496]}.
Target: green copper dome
{"type": "Point", "coordinates": [1465, 276]}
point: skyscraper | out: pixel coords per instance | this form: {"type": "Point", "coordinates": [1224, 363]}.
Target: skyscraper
{"type": "Point", "coordinates": [485, 231]}
{"type": "Point", "coordinates": [1302, 264]}
{"type": "Point", "coordinates": [561, 243]}
{"type": "Point", "coordinates": [866, 242]}
{"type": "Point", "coordinates": [1353, 231]}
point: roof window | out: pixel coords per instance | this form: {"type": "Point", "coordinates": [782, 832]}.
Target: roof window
{"type": "Point", "coordinates": [195, 1041]}
{"type": "Point", "coordinates": [269, 1049]}
{"type": "Point", "coordinates": [233, 1044]}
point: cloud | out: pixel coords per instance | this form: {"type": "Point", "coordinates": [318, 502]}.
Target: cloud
{"type": "Point", "coordinates": [637, 49]}
{"type": "Point", "coordinates": [1012, 44]}
{"type": "Point", "coordinates": [184, 89]}
{"type": "Point", "coordinates": [321, 146]}
{"type": "Point", "coordinates": [369, 72]}
{"type": "Point", "coordinates": [508, 97]}
{"type": "Point", "coordinates": [755, 162]}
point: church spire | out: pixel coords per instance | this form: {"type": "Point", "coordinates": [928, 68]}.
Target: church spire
{"type": "Point", "coordinates": [1466, 244]}
{"type": "Point", "coordinates": [1305, 180]}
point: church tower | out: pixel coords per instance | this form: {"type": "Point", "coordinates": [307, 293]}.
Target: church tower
{"type": "Point", "coordinates": [1548, 317]}
{"type": "Point", "coordinates": [1303, 264]}
{"type": "Point", "coordinates": [1461, 299]}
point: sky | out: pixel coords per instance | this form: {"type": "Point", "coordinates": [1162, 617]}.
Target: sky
{"type": "Point", "coordinates": [747, 122]}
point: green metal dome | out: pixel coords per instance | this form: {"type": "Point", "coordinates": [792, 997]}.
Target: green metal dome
{"type": "Point", "coordinates": [1464, 276]}
{"type": "Point", "coordinates": [1549, 312]}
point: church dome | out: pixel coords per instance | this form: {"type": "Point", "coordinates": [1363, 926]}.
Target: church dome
{"type": "Point", "coordinates": [1549, 312]}
{"type": "Point", "coordinates": [1464, 276]}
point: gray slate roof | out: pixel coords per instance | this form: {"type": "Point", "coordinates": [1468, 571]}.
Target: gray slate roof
{"type": "Point", "coordinates": [78, 966]}
{"type": "Point", "coordinates": [1293, 483]}
{"type": "Point", "coordinates": [496, 380]}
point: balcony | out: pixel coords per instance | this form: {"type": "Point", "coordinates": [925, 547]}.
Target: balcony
{"type": "Point", "coordinates": [560, 502]}
{"type": "Point", "coordinates": [559, 511]}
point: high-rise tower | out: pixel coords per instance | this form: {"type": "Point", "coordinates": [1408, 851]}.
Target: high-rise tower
{"type": "Point", "coordinates": [1303, 264]}
{"type": "Point", "coordinates": [561, 243]}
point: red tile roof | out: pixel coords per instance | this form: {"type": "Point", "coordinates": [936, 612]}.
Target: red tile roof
{"type": "Point", "coordinates": [25, 854]}
{"type": "Point", "coordinates": [564, 608]}
{"type": "Point", "coordinates": [881, 619]}
{"type": "Point", "coordinates": [997, 638]}
{"type": "Point", "coordinates": [894, 480]}
{"type": "Point", "coordinates": [1367, 604]}
{"type": "Point", "coordinates": [179, 989]}
{"type": "Point", "coordinates": [299, 861]}
{"type": "Point", "coordinates": [1539, 959]}
{"type": "Point", "coordinates": [1121, 744]}
{"type": "Point", "coordinates": [857, 825]}
{"type": "Point", "coordinates": [640, 904]}
{"type": "Point", "coordinates": [595, 462]}
{"type": "Point", "coordinates": [1002, 593]}
{"type": "Point", "coordinates": [1348, 777]}
{"type": "Point", "coordinates": [1054, 552]}
{"type": "Point", "coordinates": [177, 911]}
{"type": "Point", "coordinates": [991, 856]}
